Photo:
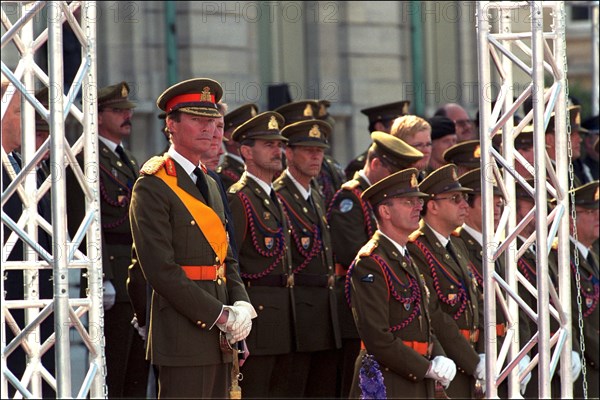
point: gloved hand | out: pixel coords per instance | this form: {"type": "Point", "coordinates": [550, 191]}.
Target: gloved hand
{"type": "Point", "coordinates": [575, 365]}
{"type": "Point", "coordinates": [522, 365]}
{"type": "Point", "coordinates": [442, 369]}
{"type": "Point", "coordinates": [141, 330]}
{"type": "Point", "coordinates": [239, 322]}
{"type": "Point", "coordinates": [109, 295]}
{"type": "Point", "coordinates": [480, 370]}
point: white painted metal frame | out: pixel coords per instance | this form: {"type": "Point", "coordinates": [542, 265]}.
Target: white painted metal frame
{"type": "Point", "coordinates": [544, 55]}
{"type": "Point", "coordinates": [64, 256]}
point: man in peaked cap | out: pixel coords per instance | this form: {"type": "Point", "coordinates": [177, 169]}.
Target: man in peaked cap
{"type": "Point", "coordinates": [352, 225]}
{"type": "Point", "coordinates": [465, 155]}
{"type": "Point", "coordinates": [317, 328]}
{"type": "Point", "coordinates": [380, 119]}
{"type": "Point", "coordinates": [264, 256]}
{"type": "Point", "coordinates": [444, 262]}
{"type": "Point", "coordinates": [443, 136]}
{"type": "Point", "coordinates": [232, 166]}
{"type": "Point", "coordinates": [471, 234]}
{"type": "Point", "coordinates": [587, 228]}
{"type": "Point", "coordinates": [178, 225]}
{"type": "Point", "coordinates": [126, 368]}
{"type": "Point", "coordinates": [404, 346]}
{"type": "Point", "coordinates": [576, 131]}
{"type": "Point", "coordinates": [331, 176]}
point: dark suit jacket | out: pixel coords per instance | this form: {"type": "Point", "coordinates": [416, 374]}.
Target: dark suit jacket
{"type": "Point", "coordinates": [265, 265]}
{"type": "Point", "coordinates": [317, 323]}
{"type": "Point", "coordinates": [166, 237]}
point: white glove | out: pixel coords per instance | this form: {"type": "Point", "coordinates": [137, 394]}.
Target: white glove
{"type": "Point", "coordinates": [522, 365]}
{"type": "Point", "coordinates": [442, 369]}
{"type": "Point", "coordinates": [239, 322]}
{"type": "Point", "coordinates": [575, 365]}
{"type": "Point", "coordinates": [141, 330]}
{"type": "Point", "coordinates": [110, 295]}
{"type": "Point", "coordinates": [480, 370]}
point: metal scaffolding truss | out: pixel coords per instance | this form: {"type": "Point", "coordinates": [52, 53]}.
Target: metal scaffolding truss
{"type": "Point", "coordinates": [540, 54]}
{"type": "Point", "coordinates": [19, 20]}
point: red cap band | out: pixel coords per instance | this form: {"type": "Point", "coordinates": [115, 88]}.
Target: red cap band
{"type": "Point", "coordinates": [188, 98]}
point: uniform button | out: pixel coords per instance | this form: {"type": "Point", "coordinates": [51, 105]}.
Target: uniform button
{"type": "Point", "coordinates": [199, 323]}
{"type": "Point", "coordinates": [219, 281]}
{"type": "Point", "coordinates": [203, 326]}
{"type": "Point", "coordinates": [261, 307]}
{"type": "Point", "coordinates": [193, 222]}
{"type": "Point", "coordinates": [111, 258]}
{"type": "Point", "coordinates": [386, 369]}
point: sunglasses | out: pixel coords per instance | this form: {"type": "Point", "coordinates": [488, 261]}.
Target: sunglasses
{"type": "Point", "coordinates": [412, 203]}
{"type": "Point", "coordinates": [456, 198]}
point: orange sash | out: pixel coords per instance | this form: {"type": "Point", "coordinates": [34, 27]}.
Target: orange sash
{"type": "Point", "coordinates": [206, 219]}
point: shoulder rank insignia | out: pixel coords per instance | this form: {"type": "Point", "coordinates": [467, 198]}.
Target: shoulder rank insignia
{"type": "Point", "coordinates": [456, 232]}
{"type": "Point", "coordinates": [415, 235]}
{"type": "Point", "coordinates": [368, 249]}
{"type": "Point", "coordinates": [151, 166]}
{"type": "Point", "coordinates": [352, 184]}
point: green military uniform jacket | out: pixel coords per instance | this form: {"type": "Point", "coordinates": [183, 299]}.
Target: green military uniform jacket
{"type": "Point", "coordinates": [390, 303]}
{"type": "Point", "coordinates": [167, 237]}
{"type": "Point", "coordinates": [330, 178]}
{"type": "Point", "coordinates": [263, 239]}
{"type": "Point", "coordinates": [116, 182]}
{"type": "Point", "coordinates": [457, 294]}
{"type": "Point", "coordinates": [317, 324]}
{"type": "Point", "coordinates": [352, 225]}
{"type": "Point", "coordinates": [230, 170]}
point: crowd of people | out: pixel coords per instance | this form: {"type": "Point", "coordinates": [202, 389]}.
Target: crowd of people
{"type": "Point", "coordinates": [245, 249]}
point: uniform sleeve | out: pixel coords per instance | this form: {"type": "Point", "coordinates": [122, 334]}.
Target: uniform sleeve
{"type": "Point", "coordinates": [370, 306]}
{"type": "Point", "coordinates": [136, 288]}
{"type": "Point", "coordinates": [347, 224]}
{"type": "Point", "coordinates": [238, 215]}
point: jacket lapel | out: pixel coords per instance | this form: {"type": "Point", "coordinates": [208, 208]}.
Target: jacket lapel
{"type": "Point", "coordinates": [441, 253]}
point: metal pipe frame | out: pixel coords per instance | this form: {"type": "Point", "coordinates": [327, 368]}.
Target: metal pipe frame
{"type": "Point", "coordinates": [64, 256]}
{"type": "Point", "coordinates": [544, 55]}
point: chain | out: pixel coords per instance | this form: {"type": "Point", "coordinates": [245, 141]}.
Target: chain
{"type": "Point", "coordinates": [562, 30]}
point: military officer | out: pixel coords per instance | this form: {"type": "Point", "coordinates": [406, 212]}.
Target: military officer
{"type": "Point", "coordinates": [352, 224]}
{"type": "Point", "coordinates": [443, 136]}
{"type": "Point", "coordinates": [443, 261]}
{"type": "Point", "coordinates": [390, 301]}
{"type": "Point", "coordinates": [178, 227]}
{"type": "Point", "coordinates": [265, 258]}
{"type": "Point", "coordinates": [126, 367]}
{"type": "Point", "coordinates": [380, 118]}
{"type": "Point", "coordinates": [587, 228]}
{"type": "Point", "coordinates": [317, 328]}
{"type": "Point", "coordinates": [465, 155]}
{"type": "Point", "coordinates": [330, 176]}
{"type": "Point", "coordinates": [232, 167]}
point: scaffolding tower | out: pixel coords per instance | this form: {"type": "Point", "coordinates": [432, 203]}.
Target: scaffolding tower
{"type": "Point", "coordinates": [19, 20]}
{"type": "Point", "coordinates": [539, 52]}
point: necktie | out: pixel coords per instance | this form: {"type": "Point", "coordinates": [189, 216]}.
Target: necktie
{"type": "Point", "coordinates": [590, 259]}
{"type": "Point", "coordinates": [125, 159]}
{"type": "Point", "coordinates": [450, 248]}
{"type": "Point", "coordinates": [16, 166]}
{"type": "Point", "coordinates": [310, 202]}
{"type": "Point", "coordinates": [273, 196]}
{"type": "Point", "coordinates": [201, 183]}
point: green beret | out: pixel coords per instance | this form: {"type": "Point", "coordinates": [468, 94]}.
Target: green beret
{"type": "Point", "coordinates": [240, 115]}
{"type": "Point", "coordinates": [442, 180]}
{"type": "Point", "coordinates": [265, 126]}
{"type": "Point", "coordinates": [308, 133]}
{"type": "Point", "coordinates": [465, 154]}
{"type": "Point", "coordinates": [298, 111]}
{"type": "Point", "coordinates": [386, 112]}
{"type": "Point", "coordinates": [115, 96]}
{"type": "Point", "coordinates": [395, 151]}
{"type": "Point", "coordinates": [198, 96]}
{"type": "Point", "coordinates": [400, 184]}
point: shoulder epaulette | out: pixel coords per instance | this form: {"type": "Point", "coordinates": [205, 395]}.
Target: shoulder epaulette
{"type": "Point", "coordinates": [456, 232]}
{"type": "Point", "coordinates": [352, 184]}
{"type": "Point", "coordinates": [367, 249]}
{"type": "Point", "coordinates": [415, 235]}
{"type": "Point", "coordinates": [151, 166]}
{"type": "Point", "coordinates": [555, 244]}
